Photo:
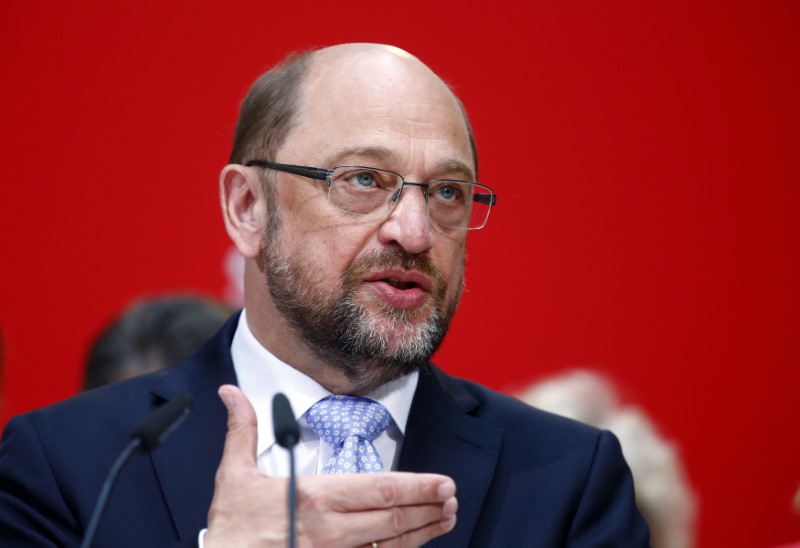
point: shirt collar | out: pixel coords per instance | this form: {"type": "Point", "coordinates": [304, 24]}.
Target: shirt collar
{"type": "Point", "coordinates": [261, 375]}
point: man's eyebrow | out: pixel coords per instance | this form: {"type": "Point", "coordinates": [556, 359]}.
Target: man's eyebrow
{"type": "Point", "coordinates": [456, 167]}
{"type": "Point", "coordinates": [385, 157]}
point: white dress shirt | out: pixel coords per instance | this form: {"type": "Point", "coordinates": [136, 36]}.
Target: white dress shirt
{"type": "Point", "coordinates": [261, 375]}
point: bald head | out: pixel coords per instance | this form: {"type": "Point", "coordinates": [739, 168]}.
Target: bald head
{"type": "Point", "coordinates": [343, 78]}
{"type": "Point", "coordinates": [377, 64]}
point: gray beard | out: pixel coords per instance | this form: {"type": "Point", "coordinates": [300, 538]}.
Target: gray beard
{"type": "Point", "coordinates": [369, 350]}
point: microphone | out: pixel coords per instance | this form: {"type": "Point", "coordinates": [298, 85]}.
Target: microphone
{"type": "Point", "coordinates": [145, 437]}
{"type": "Point", "coordinates": [162, 422]}
{"type": "Point", "coordinates": [287, 434]}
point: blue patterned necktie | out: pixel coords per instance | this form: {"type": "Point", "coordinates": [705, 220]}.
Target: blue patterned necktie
{"type": "Point", "coordinates": [349, 424]}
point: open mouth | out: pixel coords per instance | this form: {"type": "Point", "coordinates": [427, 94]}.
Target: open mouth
{"type": "Point", "coordinates": [401, 289]}
{"type": "Point", "coordinates": [399, 284]}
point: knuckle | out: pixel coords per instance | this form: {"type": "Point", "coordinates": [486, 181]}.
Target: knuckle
{"type": "Point", "coordinates": [399, 520]}
{"type": "Point", "coordinates": [316, 499]}
{"type": "Point", "coordinates": [222, 477]}
{"type": "Point", "coordinates": [387, 490]}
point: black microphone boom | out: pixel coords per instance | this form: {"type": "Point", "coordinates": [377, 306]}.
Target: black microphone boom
{"type": "Point", "coordinates": [145, 437]}
{"type": "Point", "coordinates": [287, 434]}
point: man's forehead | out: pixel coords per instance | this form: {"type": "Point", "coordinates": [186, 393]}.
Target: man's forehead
{"type": "Point", "coordinates": [362, 95]}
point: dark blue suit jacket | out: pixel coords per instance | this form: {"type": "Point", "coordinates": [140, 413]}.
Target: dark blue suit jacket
{"type": "Point", "coordinates": [524, 477]}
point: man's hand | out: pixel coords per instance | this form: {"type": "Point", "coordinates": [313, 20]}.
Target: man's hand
{"type": "Point", "coordinates": [249, 507]}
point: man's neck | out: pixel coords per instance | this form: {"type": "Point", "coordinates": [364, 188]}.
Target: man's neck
{"type": "Point", "coordinates": [274, 333]}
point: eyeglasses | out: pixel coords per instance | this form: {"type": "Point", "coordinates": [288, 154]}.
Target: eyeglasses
{"type": "Point", "coordinates": [361, 190]}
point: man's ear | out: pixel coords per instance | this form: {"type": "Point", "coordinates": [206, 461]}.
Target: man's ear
{"type": "Point", "coordinates": [243, 208]}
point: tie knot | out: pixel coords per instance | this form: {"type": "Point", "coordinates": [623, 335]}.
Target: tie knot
{"type": "Point", "coordinates": [336, 418]}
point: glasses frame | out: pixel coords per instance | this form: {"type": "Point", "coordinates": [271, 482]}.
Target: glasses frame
{"type": "Point", "coordinates": [322, 174]}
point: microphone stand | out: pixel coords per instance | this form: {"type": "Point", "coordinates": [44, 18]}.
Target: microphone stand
{"type": "Point", "coordinates": [146, 437]}
{"type": "Point", "coordinates": [287, 434]}
{"type": "Point", "coordinates": [100, 506]}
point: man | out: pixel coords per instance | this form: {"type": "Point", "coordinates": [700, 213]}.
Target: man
{"type": "Point", "coordinates": [352, 276]}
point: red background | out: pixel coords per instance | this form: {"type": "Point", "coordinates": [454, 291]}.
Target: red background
{"type": "Point", "coordinates": [645, 155]}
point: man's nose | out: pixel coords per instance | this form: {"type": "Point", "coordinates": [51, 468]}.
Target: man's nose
{"type": "Point", "coordinates": [409, 224]}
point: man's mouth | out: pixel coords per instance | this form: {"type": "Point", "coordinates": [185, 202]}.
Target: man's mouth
{"type": "Point", "coordinates": [401, 279]}
{"type": "Point", "coordinates": [399, 284]}
{"type": "Point", "coordinates": [401, 289]}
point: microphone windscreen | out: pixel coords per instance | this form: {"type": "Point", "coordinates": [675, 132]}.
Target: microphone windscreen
{"type": "Point", "coordinates": [287, 433]}
{"type": "Point", "coordinates": [161, 422]}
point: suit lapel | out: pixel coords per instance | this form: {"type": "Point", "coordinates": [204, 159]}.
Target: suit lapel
{"type": "Point", "coordinates": [187, 462]}
{"type": "Point", "coordinates": [443, 437]}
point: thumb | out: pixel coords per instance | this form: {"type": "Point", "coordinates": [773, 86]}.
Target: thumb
{"type": "Point", "coordinates": [242, 436]}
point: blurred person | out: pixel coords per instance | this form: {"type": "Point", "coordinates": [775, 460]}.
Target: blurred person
{"type": "Point", "coordinates": [350, 191]}
{"type": "Point", "coordinates": [663, 493]}
{"type": "Point", "coordinates": [151, 335]}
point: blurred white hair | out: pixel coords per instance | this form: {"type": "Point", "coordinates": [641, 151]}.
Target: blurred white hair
{"type": "Point", "coordinates": [663, 493]}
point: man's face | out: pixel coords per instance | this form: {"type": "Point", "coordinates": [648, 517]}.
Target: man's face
{"type": "Point", "coordinates": [372, 295]}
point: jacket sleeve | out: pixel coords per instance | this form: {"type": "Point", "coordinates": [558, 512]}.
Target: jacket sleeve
{"type": "Point", "coordinates": [607, 515]}
{"type": "Point", "coordinates": [32, 510]}
{"type": "Point", "coordinates": [36, 509]}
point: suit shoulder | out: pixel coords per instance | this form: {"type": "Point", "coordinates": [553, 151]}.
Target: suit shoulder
{"type": "Point", "coordinates": [112, 408]}
{"type": "Point", "coordinates": [509, 413]}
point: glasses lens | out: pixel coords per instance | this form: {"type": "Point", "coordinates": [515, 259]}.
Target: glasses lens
{"type": "Point", "coordinates": [362, 189]}
{"type": "Point", "coordinates": [457, 204]}
{"type": "Point", "coordinates": [452, 204]}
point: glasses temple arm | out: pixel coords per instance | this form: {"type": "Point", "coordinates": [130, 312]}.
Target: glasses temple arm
{"type": "Point", "coordinates": [310, 172]}
{"type": "Point", "coordinates": [488, 199]}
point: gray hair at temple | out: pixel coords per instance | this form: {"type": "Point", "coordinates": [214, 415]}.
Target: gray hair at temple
{"type": "Point", "coordinates": [152, 335]}
{"type": "Point", "coordinates": [663, 493]}
{"type": "Point", "coordinates": [269, 111]}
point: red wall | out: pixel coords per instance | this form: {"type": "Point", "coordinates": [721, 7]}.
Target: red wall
{"type": "Point", "coordinates": [646, 158]}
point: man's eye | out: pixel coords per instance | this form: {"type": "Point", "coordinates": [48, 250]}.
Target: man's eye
{"type": "Point", "coordinates": [363, 179]}
{"type": "Point", "coordinates": [368, 180]}
{"type": "Point", "coordinates": [449, 193]}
